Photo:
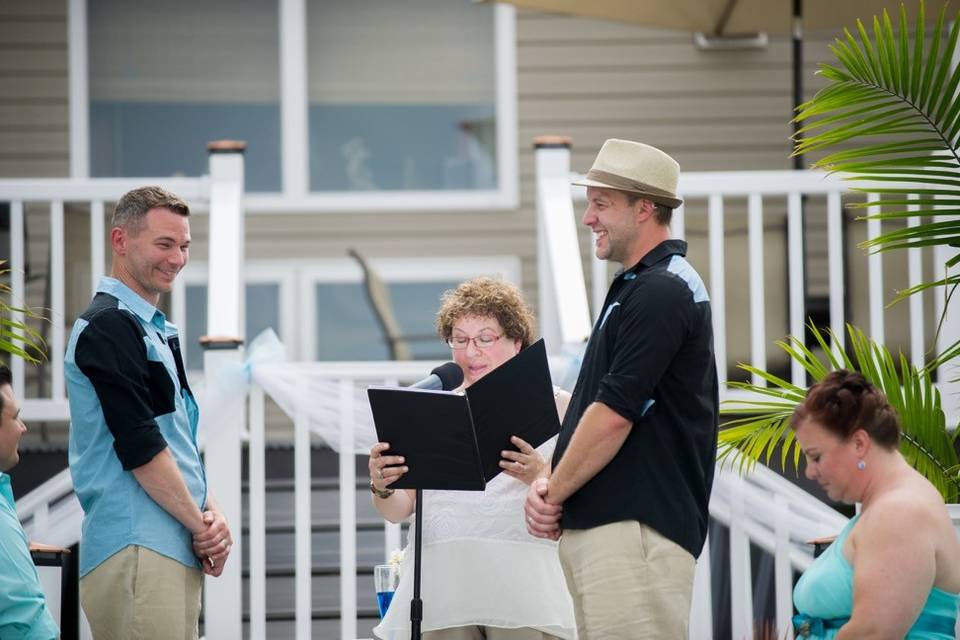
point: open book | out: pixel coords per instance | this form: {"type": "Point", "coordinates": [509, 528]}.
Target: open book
{"type": "Point", "coordinates": [453, 439]}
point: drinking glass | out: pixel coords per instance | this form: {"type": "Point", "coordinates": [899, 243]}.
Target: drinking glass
{"type": "Point", "coordinates": [386, 577]}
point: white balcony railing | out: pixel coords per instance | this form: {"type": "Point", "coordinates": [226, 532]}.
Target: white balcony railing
{"type": "Point", "coordinates": [329, 399]}
{"type": "Point", "coordinates": [710, 198]}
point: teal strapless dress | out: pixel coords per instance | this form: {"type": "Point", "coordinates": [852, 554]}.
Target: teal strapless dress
{"type": "Point", "coordinates": [824, 599]}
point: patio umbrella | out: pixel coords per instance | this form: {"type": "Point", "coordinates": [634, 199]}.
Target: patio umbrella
{"type": "Point", "coordinates": [726, 18]}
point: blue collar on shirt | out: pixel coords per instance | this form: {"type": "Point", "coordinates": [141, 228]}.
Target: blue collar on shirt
{"type": "Point", "coordinates": [6, 490]}
{"type": "Point", "coordinates": [146, 311]}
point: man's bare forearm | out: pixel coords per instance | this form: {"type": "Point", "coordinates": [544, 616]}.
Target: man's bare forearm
{"type": "Point", "coordinates": [162, 480]}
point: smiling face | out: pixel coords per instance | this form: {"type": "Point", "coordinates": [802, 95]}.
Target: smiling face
{"type": "Point", "coordinates": [615, 224]}
{"type": "Point", "coordinates": [831, 461]}
{"type": "Point", "coordinates": [11, 429]}
{"type": "Point", "coordinates": [477, 362]}
{"type": "Point", "coordinates": [148, 260]}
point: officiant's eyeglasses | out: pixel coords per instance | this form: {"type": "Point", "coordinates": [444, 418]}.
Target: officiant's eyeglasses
{"type": "Point", "coordinates": [482, 341]}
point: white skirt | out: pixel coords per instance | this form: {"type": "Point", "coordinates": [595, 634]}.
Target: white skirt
{"type": "Point", "coordinates": [485, 582]}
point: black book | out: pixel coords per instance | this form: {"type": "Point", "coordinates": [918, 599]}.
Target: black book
{"type": "Point", "coordinates": [453, 440]}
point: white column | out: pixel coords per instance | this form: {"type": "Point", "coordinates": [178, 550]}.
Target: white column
{"type": "Point", "coordinates": [79, 92]}
{"type": "Point", "coordinates": [294, 120]}
{"type": "Point", "coordinates": [758, 326]}
{"type": "Point", "coordinates": [796, 293]}
{"type": "Point", "coordinates": [17, 268]}
{"type": "Point", "coordinates": [58, 314]}
{"type": "Point", "coordinates": [225, 299]}
{"type": "Point", "coordinates": [223, 351]}
{"type": "Point", "coordinates": [564, 313]}
{"type": "Point", "coordinates": [718, 295]}
{"type": "Point", "coordinates": [348, 514]}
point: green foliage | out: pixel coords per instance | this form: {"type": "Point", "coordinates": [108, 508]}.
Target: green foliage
{"type": "Point", "coordinates": [16, 338]}
{"type": "Point", "coordinates": [905, 92]}
{"type": "Point", "coordinates": [763, 421]}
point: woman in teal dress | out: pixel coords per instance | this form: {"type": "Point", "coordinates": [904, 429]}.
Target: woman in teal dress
{"type": "Point", "coordinates": [894, 570]}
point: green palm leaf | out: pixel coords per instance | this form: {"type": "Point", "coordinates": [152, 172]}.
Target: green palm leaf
{"type": "Point", "coordinates": [16, 337]}
{"type": "Point", "coordinates": [761, 423]}
{"type": "Point", "coordinates": [884, 87]}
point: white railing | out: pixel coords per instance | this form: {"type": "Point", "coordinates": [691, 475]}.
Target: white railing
{"type": "Point", "coordinates": [92, 194]}
{"type": "Point", "coordinates": [51, 513]}
{"type": "Point", "coordinates": [54, 193]}
{"type": "Point", "coordinates": [329, 400]}
{"type": "Point", "coordinates": [710, 194]}
{"type": "Point", "coordinates": [325, 400]}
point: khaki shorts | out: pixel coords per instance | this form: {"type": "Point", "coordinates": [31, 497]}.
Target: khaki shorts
{"type": "Point", "coordinates": [627, 582]}
{"type": "Point", "coordinates": [138, 594]}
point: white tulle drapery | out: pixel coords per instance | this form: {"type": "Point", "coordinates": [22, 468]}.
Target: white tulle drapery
{"type": "Point", "coordinates": [314, 391]}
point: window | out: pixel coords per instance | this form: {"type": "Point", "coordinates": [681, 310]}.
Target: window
{"type": "Point", "coordinates": [320, 310]}
{"type": "Point", "coordinates": [347, 329]}
{"type": "Point", "coordinates": [262, 312]}
{"type": "Point", "coordinates": [167, 77]}
{"type": "Point", "coordinates": [384, 105]}
{"type": "Point", "coordinates": [402, 95]}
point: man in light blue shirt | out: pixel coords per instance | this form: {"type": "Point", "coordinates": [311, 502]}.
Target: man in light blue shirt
{"type": "Point", "coordinates": [150, 528]}
{"type": "Point", "coordinates": [23, 607]}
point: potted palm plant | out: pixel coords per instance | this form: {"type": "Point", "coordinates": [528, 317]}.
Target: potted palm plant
{"type": "Point", "coordinates": [905, 93]}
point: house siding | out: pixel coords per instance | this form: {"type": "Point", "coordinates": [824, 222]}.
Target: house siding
{"type": "Point", "coordinates": [589, 79]}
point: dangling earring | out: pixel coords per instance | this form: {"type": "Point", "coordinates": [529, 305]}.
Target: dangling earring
{"type": "Point", "coordinates": [861, 464]}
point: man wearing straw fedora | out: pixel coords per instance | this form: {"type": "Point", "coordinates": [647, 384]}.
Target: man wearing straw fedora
{"type": "Point", "coordinates": [633, 466]}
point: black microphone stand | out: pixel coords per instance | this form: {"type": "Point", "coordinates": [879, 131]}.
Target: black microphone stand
{"type": "Point", "coordinates": [416, 604]}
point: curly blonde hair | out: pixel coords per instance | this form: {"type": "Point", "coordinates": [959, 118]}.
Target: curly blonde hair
{"type": "Point", "coordinates": [486, 297]}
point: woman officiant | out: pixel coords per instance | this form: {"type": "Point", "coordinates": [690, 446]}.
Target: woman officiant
{"type": "Point", "coordinates": [484, 575]}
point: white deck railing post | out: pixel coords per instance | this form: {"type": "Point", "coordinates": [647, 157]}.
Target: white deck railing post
{"type": "Point", "coordinates": [348, 514]}
{"type": "Point", "coordinates": [782, 571]}
{"type": "Point", "coordinates": [701, 605]}
{"type": "Point", "coordinates": [741, 580]}
{"type": "Point", "coordinates": [223, 608]}
{"type": "Point", "coordinates": [564, 316]}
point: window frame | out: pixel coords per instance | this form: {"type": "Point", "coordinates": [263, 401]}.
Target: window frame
{"type": "Point", "coordinates": [276, 272]}
{"type": "Point", "coordinates": [295, 195]}
{"type": "Point", "coordinates": [298, 278]}
{"type": "Point", "coordinates": [391, 270]}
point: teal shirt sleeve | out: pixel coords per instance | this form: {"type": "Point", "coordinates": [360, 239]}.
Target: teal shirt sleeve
{"type": "Point", "coordinates": [23, 606]}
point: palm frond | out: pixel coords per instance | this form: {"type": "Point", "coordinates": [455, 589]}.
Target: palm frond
{"type": "Point", "coordinates": [761, 425]}
{"type": "Point", "coordinates": [883, 85]}
{"type": "Point", "coordinates": [17, 338]}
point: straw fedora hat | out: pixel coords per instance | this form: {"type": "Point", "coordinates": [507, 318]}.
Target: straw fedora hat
{"type": "Point", "coordinates": [637, 168]}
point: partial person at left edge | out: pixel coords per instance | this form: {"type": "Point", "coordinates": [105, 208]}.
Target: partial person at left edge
{"type": "Point", "coordinates": [150, 528]}
{"type": "Point", "coordinates": [23, 608]}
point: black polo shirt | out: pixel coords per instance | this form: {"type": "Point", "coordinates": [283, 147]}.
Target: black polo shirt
{"type": "Point", "coordinates": [650, 359]}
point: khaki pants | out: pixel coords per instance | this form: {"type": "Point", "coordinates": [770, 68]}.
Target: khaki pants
{"type": "Point", "coordinates": [627, 582]}
{"type": "Point", "coordinates": [138, 594]}
{"type": "Point", "coordinates": [486, 633]}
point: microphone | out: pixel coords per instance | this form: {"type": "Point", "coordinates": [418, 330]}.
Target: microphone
{"type": "Point", "coordinates": [446, 377]}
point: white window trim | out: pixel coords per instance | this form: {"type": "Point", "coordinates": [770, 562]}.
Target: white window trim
{"type": "Point", "coordinates": [441, 268]}
{"type": "Point", "coordinates": [295, 196]}
{"type": "Point", "coordinates": [297, 279]}
{"type": "Point", "coordinates": [278, 272]}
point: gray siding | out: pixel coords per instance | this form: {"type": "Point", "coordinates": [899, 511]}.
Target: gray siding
{"type": "Point", "coordinates": [589, 79]}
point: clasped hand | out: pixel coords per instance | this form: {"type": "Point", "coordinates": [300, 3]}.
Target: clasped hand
{"type": "Point", "coordinates": [543, 517]}
{"type": "Point", "coordinates": [213, 544]}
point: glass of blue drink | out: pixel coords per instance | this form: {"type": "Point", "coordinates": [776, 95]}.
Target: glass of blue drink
{"type": "Point", "coordinates": [386, 577]}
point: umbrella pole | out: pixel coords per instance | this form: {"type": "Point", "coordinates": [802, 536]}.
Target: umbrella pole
{"type": "Point", "coordinates": [797, 31]}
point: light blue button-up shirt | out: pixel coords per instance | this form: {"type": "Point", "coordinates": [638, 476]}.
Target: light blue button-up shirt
{"type": "Point", "coordinates": [128, 399]}
{"type": "Point", "coordinates": [23, 607]}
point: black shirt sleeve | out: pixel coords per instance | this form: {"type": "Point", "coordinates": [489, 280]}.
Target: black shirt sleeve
{"type": "Point", "coordinates": [652, 326]}
{"type": "Point", "coordinates": [132, 390]}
